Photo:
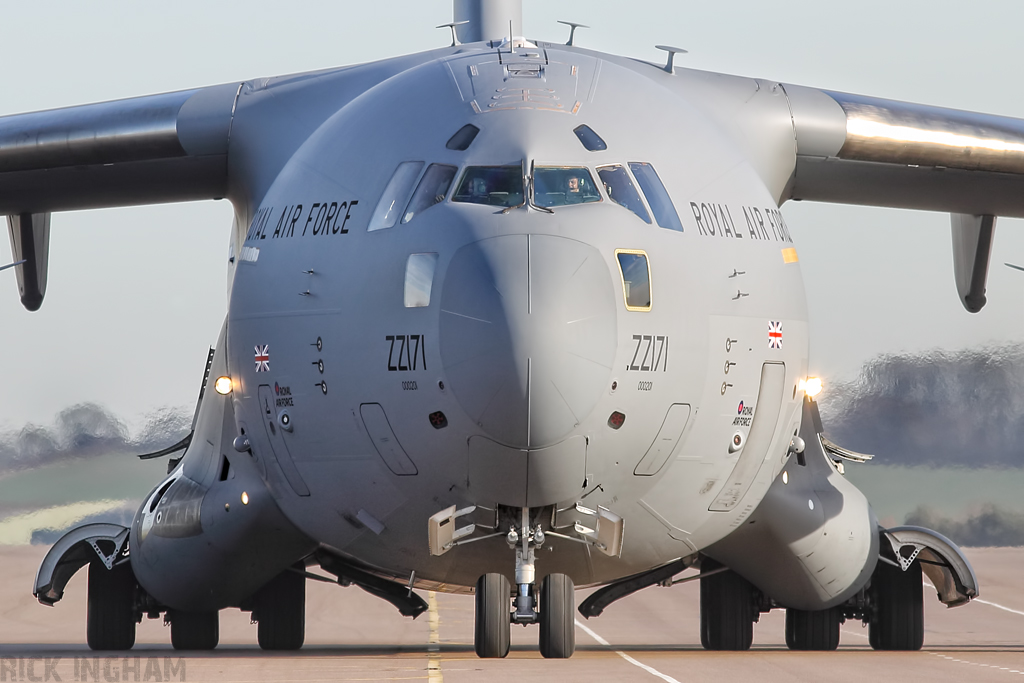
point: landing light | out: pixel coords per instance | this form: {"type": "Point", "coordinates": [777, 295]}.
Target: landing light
{"type": "Point", "coordinates": [223, 385]}
{"type": "Point", "coordinates": [245, 498]}
{"type": "Point", "coordinates": [812, 386]}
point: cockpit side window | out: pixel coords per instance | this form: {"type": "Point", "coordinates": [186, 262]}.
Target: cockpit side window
{"type": "Point", "coordinates": [563, 186]}
{"type": "Point", "coordinates": [396, 194]}
{"type": "Point", "coordinates": [433, 188]}
{"type": "Point", "coordinates": [622, 191]}
{"type": "Point", "coordinates": [492, 185]}
{"type": "Point", "coordinates": [657, 195]}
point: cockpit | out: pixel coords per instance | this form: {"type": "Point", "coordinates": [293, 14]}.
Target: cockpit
{"type": "Point", "coordinates": [634, 186]}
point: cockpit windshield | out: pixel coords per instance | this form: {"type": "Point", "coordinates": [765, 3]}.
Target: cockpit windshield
{"type": "Point", "coordinates": [563, 185]}
{"type": "Point", "coordinates": [492, 185]}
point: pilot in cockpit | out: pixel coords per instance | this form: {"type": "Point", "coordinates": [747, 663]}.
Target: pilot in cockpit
{"type": "Point", "coordinates": [479, 187]}
{"type": "Point", "coordinates": [572, 190]}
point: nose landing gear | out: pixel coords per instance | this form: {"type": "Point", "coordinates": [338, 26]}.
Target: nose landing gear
{"type": "Point", "coordinates": [554, 613]}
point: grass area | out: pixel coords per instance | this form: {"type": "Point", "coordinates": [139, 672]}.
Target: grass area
{"type": "Point", "coordinates": [108, 477]}
{"type": "Point", "coordinates": [954, 492]}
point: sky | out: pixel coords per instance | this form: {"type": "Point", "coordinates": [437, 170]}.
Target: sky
{"type": "Point", "coordinates": [137, 295]}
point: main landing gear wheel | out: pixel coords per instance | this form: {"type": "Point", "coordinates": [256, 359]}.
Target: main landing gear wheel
{"type": "Point", "coordinates": [898, 600]}
{"type": "Point", "coordinates": [110, 621]}
{"type": "Point", "coordinates": [280, 612]}
{"type": "Point", "coordinates": [557, 617]}
{"type": "Point", "coordinates": [817, 630]}
{"type": "Point", "coordinates": [194, 630]}
{"type": "Point", "coordinates": [726, 609]}
{"type": "Point", "coordinates": [493, 621]}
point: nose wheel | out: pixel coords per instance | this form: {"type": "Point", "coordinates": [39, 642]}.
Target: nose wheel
{"type": "Point", "coordinates": [493, 623]}
{"type": "Point", "coordinates": [557, 617]}
{"type": "Point", "coordinates": [554, 610]}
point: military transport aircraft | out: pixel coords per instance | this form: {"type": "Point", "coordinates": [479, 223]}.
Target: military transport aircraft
{"type": "Point", "coordinates": [507, 318]}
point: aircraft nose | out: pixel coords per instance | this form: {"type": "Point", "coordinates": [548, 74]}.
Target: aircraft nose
{"type": "Point", "coordinates": [527, 335]}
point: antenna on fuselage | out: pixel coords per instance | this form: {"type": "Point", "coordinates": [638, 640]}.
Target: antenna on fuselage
{"type": "Point", "coordinates": [572, 29]}
{"type": "Point", "coordinates": [452, 25]}
{"type": "Point", "coordinates": [669, 67]}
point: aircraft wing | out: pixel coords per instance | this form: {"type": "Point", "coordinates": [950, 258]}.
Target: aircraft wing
{"type": "Point", "coordinates": [223, 141]}
{"type": "Point", "coordinates": [862, 150]}
{"type": "Point", "coordinates": [158, 148]}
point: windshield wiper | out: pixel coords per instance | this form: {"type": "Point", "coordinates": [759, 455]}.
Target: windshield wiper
{"type": "Point", "coordinates": [529, 193]}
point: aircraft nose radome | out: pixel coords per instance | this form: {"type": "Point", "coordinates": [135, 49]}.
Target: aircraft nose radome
{"type": "Point", "coordinates": [528, 335]}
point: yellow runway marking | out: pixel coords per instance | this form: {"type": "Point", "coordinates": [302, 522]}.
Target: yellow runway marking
{"type": "Point", "coordinates": [434, 659]}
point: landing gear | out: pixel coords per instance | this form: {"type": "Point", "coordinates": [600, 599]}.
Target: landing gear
{"type": "Point", "coordinates": [817, 630]}
{"type": "Point", "coordinates": [492, 636]}
{"type": "Point", "coordinates": [280, 610]}
{"type": "Point", "coordinates": [897, 597]}
{"type": "Point", "coordinates": [726, 609]}
{"type": "Point", "coordinates": [111, 619]}
{"type": "Point", "coordinates": [194, 630]}
{"type": "Point", "coordinates": [553, 606]}
{"type": "Point", "coordinates": [557, 617]}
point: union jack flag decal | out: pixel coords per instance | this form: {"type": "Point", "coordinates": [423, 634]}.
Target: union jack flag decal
{"type": "Point", "coordinates": [774, 335]}
{"type": "Point", "coordinates": [263, 358]}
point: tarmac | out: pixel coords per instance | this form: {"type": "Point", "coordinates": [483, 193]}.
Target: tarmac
{"type": "Point", "coordinates": [649, 637]}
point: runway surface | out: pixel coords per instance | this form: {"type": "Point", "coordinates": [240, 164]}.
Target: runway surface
{"type": "Point", "coordinates": [649, 637]}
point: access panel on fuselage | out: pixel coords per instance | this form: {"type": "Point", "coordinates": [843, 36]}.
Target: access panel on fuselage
{"type": "Point", "coordinates": [276, 439]}
{"type": "Point", "coordinates": [758, 440]}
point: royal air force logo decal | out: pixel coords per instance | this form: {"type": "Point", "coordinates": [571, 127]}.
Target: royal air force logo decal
{"type": "Point", "coordinates": [263, 358]}
{"type": "Point", "coordinates": [774, 335]}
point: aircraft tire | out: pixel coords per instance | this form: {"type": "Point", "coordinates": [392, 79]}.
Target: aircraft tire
{"type": "Point", "coordinates": [493, 623]}
{"type": "Point", "coordinates": [898, 599]}
{"type": "Point", "coordinates": [194, 630]}
{"type": "Point", "coordinates": [557, 617]}
{"type": "Point", "coordinates": [280, 611]}
{"type": "Point", "coordinates": [726, 610]}
{"type": "Point", "coordinates": [110, 618]}
{"type": "Point", "coordinates": [813, 630]}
